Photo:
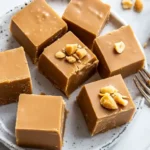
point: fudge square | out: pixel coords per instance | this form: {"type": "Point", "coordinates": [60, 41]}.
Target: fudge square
{"type": "Point", "coordinates": [86, 18]}
{"type": "Point", "coordinates": [40, 121]}
{"type": "Point", "coordinates": [98, 118]}
{"type": "Point", "coordinates": [66, 74]}
{"type": "Point", "coordinates": [15, 76]}
{"type": "Point", "coordinates": [112, 62]}
{"type": "Point", "coordinates": [36, 26]}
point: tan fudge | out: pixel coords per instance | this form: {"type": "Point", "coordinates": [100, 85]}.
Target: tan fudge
{"type": "Point", "coordinates": [15, 76]}
{"type": "Point", "coordinates": [40, 121]}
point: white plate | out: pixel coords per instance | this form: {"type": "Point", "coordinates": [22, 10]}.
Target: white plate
{"type": "Point", "coordinates": [76, 133]}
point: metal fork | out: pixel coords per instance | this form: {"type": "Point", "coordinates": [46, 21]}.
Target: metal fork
{"type": "Point", "coordinates": [143, 86]}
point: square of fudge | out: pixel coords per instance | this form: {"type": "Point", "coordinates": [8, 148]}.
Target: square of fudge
{"type": "Point", "coordinates": [86, 18]}
{"type": "Point", "coordinates": [98, 118]}
{"type": "Point", "coordinates": [112, 63]}
{"type": "Point", "coordinates": [64, 75]}
{"type": "Point", "coordinates": [36, 26]}
{"type": "Point", "coordinates": [40, 121]}
{"type": "Point", "coordinates": [15, 75]}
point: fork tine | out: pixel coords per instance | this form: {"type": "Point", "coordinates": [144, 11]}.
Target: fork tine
{"type": "Point", "coordinates": [141, 90]}
{"type": "Point", "coordinates": [144, 76]}
{"type": "Point", "coordinates": [146, 72]}
{"type": "Point", "coordinates": [143, 84]}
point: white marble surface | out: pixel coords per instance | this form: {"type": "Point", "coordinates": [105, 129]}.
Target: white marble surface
{"type": "Point", "coordinates": [137, 137]}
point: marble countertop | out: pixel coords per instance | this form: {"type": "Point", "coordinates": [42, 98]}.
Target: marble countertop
{"type": "Point", "coordinates": [137, 136]}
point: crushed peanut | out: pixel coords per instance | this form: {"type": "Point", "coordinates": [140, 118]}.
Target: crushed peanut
{"type": "Point", "coordinates": [138, 6]}
{"type": "Point", "coordinates": [71, 48]}
{"type": "Point", "coordinates": [76, 56]}
{"type": "Point", "coordinates": [63, 50]}
{"type": "Point", "coordinates": [72, 53]}
{"type": "Point", "coordinates": [119, 99]}
{"type": "Point", "coordinates": [71, 59]}
{"type": "Point", "coordinates": [108, 89]}
{"type": "Point", "coordinates": [119, 47]}
{"type": "Point", "coordinates": [60, 55]}
{"type": "Point", "coordinates": [79, 46]}
{"type": "Point", "coordinates": [108, 102]}
{"type": "Point", "coordinates": [79, 61]}
{"type": "Point", "coordinates": [127, 4]}
{"type": "Point", "coordinates": [125, 97]}
{"type": "Point", "coordinates": [81, 53]}
{"type": "Point", "coordinates": [110, 97]}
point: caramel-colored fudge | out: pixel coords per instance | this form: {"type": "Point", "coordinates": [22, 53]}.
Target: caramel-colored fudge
{"type": "Point", "coordinates": [98, 118]}
{"type": "Point", "coordinates": [111, 61]}
{"type": "Point", "coordinates": [36, 26]}
{"type": "Point", "coordinates": [86, 18]}
{"type": "Point", "coordinates": [15, 76]}
{"type": "Point", "coordinates": [40, 121]}
{"type": "Point", "coordinates": [66, 74]}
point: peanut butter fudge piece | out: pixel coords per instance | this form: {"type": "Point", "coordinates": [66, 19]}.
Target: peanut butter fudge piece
{"type": "Point", "coordinates": [67, 63]}
{"type": "Point", "coordinates": [15, 76]}
{"type": "Point", "coordinates": [106, 104]}
{"type": "Point", "coordinates": [36, 26]}
{"type": "Point", "coordinates": [86, 18]}
{"type": "Point", "coordinates": [40, 121]}
{"type": "Point", "coordinates": [118, 53]}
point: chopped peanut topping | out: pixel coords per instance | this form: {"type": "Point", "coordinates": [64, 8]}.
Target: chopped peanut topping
{"type": "Point", "coordinates": [127, 4]}
{"type": "Point", "coordinates": [72, 53]}
{"type": "Point", "coordinates": [63, 50]}
{"type": "Point", "coordinates": [108, 89]}
{"type": "Point", "coordinates": [76, 56]}
{"type": "Point", "coordinates": [71, 59]}
{"type": "Point", "coordinates": [125, 97]}
{"type": "Point", "coordinates": [108, 102]}
{"type": "Point", "coordinates": [79, 46]}
{"type": "Point", "coordinates": [60, 55]}
{"type": "Point", "coordinates": [119, 47]}
{"type": "Point", "coordinates": [110, 97]}
{"type": "Point", "coordinates": [71, 48]}
{"type": "Point", "coordinates": [81, 53]}
{"type": "Point", "coordinates": [119, 99]}
{"type": "Point", "coordinates": [138, 6]}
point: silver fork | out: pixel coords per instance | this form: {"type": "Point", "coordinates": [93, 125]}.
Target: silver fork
{"type": "Point", "coordinates": [143, 86]}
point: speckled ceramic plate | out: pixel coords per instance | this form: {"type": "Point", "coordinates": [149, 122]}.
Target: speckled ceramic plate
{"type": "Point", "coordinates": [76, 136]}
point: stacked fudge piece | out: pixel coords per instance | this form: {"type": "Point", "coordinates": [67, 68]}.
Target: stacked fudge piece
{"type": "Point", "coordinates": [68, 59]}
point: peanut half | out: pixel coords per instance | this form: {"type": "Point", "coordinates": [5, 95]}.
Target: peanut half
{"type": "Point", "coordinates": [71, 59]}
{"type": "Point", "coordinates": [127, 4]}
{"type": "Point", "coordinates": [108, 102]}
{"type": "Point", "coordinates": [71, 48]}
{"type": "Point", "coordinates": [81, 53]}
{"type": "Point", "coordinates": [119, 99]}
{"type": "Point", "coordinates": [60, 55]}
{"type": "Point", "coordinates": [138, 6]}
{"type": "Point", "coordinates": [108, 89]}
{"type": "Point", "coordinates": [119, 47]}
